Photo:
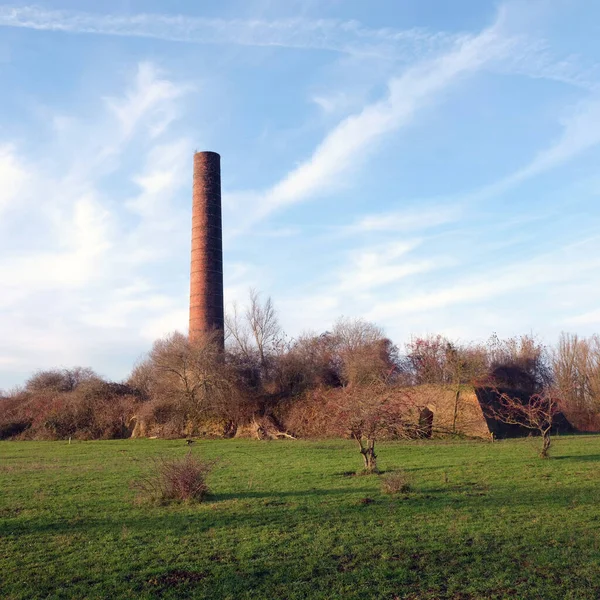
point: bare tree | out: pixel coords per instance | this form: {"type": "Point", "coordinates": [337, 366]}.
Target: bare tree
{"type": "Point", "coordinates": [256, 335]}
{"type": "Point", "coordinates": [538, 413]}
{"type": "Point", "coordinates": [465, 365]}
{"type": "Point", "coordinates": [369, 413]}
{"type": "Point", "coordinates": [237, 334]}
{"type": "Point", "coordinates": [193, 375]}
{"type": "Point", "coordinates": [576, 366]}
{"type": "Point", "coordinates": [428, 357]}
{"type": "Point", "coordinates": [264, 325]}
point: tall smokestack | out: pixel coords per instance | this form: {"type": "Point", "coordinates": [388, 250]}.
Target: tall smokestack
{"type": "Point", "coordinates": [206, 280]}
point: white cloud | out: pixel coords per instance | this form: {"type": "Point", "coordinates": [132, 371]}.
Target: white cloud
{"type": "Point", "coordinates": [323, 34]}
{"type": "Point", "coordinates": [164, 173]}
{"type": "Point", "coordinates": [381, 265]}
{"type": "Point", "coordinates": [12, 177]}
{"type": "Point", "coordinates": [85, 239]}
{"type": "Point", "coordinates": [121, 310]}
{"type": "Point", "coordinates": [563, 265]}
{"type": "Point", "coordinates": [173, 320]}
{"type": "Point", "coordinates": [151, 96]}
{"type": "Point", "coordinates": [408, 220]}
{"type": "Point", "coordinates": [81, 287]}
{"type": "Point", "coordinates": [348, 145]}
{"type": "Point", "coordinates": [580, 132]}
{"type": "Point", "coordinates": [357, 284]}
{"type": "Point", "coordinates": [332, 103]}
{"type": "Point", "coordinates": [588, 318]}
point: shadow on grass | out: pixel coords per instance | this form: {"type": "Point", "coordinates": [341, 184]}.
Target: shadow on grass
{"type": "Point", "coordinates": [579, 457]}
{"type": "Point", "coordinates": [279, 510]}
{"type": "Point", "coordinates": [276, 494]}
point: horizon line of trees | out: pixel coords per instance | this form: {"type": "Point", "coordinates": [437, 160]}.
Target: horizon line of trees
{"type": "Point", "coordinates": [263, 379]}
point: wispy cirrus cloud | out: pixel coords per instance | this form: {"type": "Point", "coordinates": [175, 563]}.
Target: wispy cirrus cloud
{"type": "Point", "coordinates": [361, 277]}
{"type": "Point", "coordinates": [414, 219]}
{"type": "Point", "coordinates": [383, 264]}
{"type": "Point", "coordinates": [348, 145]}
{"type": "Point", "coordinates": [349, 37]}
{"type": "Point", "coordinates": [556, 268]}
{"type": "Point", "coordinates": [408, 290]}
{"type": "Point", "coordinates": [579, 133]}
{"type": "Point", "coordinates": [152, 95]}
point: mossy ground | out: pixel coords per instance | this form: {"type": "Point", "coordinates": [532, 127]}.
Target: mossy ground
{"type": "Point", "coordinates": [286, 521]}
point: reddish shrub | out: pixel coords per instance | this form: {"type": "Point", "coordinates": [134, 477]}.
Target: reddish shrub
{"type": "Point", "coordinates": [175, 480]}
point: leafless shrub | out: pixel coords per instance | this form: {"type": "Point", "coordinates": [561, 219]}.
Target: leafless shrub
{"type": "Point", "coordinates": [365, 354]}
{"type": "Point", "coordinates": [312, 361]}
{"type": "Point", "coordinates": [436, 360]}
{"type": "Point", "coordinates": [174, 480]}
{"type": "Point", "coordinates": [93, 409]}
{"type": "Point", "coordinates": [60, 380]}
{"type": "Point", "coordinates": [396, 482]}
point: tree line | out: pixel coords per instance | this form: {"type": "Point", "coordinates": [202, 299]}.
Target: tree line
{"type": "Point", "coordinates": [351, 380]}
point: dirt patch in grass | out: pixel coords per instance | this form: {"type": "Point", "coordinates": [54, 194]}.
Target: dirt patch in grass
{"type": "Point", "coordinates": [176, 577]}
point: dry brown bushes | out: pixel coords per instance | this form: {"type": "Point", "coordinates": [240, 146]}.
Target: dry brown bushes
{"type": "Point", "coordinates": [174, 480]}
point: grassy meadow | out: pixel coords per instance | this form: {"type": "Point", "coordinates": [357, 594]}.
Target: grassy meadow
{"type": "Point", "coordinates": [287, 520]}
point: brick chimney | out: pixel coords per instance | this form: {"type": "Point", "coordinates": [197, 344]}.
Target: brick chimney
{"type": "Point", "coordinates": [206, 280]}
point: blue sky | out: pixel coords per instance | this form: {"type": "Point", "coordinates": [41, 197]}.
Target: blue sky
{"type": "Point", "coordinates": [427, 165]}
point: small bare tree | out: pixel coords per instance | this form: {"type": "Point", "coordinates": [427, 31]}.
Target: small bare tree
{"type": "Point", "coordinates": [428, 359]}
{"type": "Point", "coordinates": [370, 413]}
{"type": "Point", "coordinates": [538, 413]}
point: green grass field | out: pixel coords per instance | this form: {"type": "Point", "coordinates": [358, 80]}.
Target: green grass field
{"type": "Point", "coordinates": [286, 521]}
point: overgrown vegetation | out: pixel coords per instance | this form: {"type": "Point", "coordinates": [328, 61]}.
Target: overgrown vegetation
{"type": "Point", "coordinates": [350, 381]}
{"type": "Point", "coordinates": [66, 403]}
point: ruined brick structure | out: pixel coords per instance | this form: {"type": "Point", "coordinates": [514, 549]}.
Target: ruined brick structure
{"type": "Point", "coordinates": [206, 278]}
